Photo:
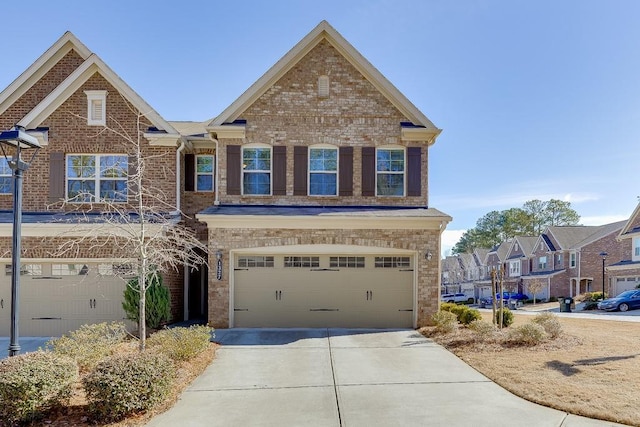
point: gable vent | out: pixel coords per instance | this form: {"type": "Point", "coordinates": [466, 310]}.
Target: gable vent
{"type": "Point", "coordinates": [323, 86]}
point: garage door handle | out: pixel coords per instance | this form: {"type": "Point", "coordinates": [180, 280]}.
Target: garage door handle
{"type": "Point", "coordinates": [46, 318]}
{"type": "Point", "coordinates": [240, 269]}
{"type": "Point", "coordinates": [406, 309]}
{"type": "Point", "coordinates": [278, 295]}
{"type": "Point", "coordinates": [2, 303]}
{"type": "Point", "coordinates": [325, 269]}
{"type": "Point", "coordinates": [369, 295]}
{"type": "Point", "coordinates": [411, 269]}
{"type": "Point", "coordinates": [324, 309]}
{"type": "Point", "coordinates": [240, 309]}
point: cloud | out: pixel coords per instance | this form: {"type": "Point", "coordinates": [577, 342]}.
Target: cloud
{"type": "Point", "coordinates": [602, 219]}
{"type": "Point", "coordinates": [449, 239]}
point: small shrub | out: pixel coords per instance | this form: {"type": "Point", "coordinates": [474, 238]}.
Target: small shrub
{"type": "Point", "coordinates": [469, 315]}
{"type": "Point", "coordinates": [32, 383]}
{"type": "Point", "coordinates": [597, 296]}
{"type": "Point", "coordinates": [89, 343]}
{"type": "Point", "coordinates": [157, 301]}
{"type": "Point", "coordinates": [445, 321]}
{"type": "Point", "coordinates": [590, 305]}
{"type": "Point", "coordinates": [507, 317]}
{"type": "Point", "coordinates": [550, 323]}
{"type": "Point", "coordinates": [483, 330]}
{"type": "Point", "coordinates": [125, 384]}
{"type": "Point", "coordinates": [553, 299]}
{"type": "Point", "coordinates": [528, 334]}
{"type": "Point", "coordinates": [448, 306]}
{"type": "Point", "coordinates": [181, 343]}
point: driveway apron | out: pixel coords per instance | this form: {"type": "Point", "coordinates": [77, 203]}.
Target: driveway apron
{"type": "Point", "coordinates": [347, 377]}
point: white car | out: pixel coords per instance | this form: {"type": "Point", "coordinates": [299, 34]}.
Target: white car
{"type": "Point", "coordinates": [455, 298]}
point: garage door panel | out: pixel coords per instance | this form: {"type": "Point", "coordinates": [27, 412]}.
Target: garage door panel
{"type": "Point", "coordinates": [354, 296]}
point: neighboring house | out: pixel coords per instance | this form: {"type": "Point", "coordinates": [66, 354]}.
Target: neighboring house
{"type": "Point", "coordinates": [567, 258]}
{"type": "Point", "coordinates": [65, 99]}
{"type": "Point", "coordinates": [311, 190]}
{"type": "Point", "coordinates": [625, 273]}
{"type": "Point", "coordinates": [517, 262]}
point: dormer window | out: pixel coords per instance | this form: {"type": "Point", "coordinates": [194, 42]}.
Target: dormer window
{"type": "Point", "coordinates": [96, 107]}
{"type": "Point", "coordinates": [323, 86]}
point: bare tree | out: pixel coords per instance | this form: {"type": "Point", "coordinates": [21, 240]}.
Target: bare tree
{"type": "Point", "coordinates": [130, 218]}
{"type": "Point", "coordinates": [535, 286]}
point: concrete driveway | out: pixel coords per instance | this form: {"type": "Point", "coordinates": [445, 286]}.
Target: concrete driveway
{"type": "Point", "coordinates": [342, 377]}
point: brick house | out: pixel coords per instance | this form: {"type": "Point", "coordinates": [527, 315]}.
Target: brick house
{"type": "Point", "coordinates": [567, 258]}
{"type": "Point", "coordinates": [311, 191]}
{"type": "Point", "coordinates": [624, 272]}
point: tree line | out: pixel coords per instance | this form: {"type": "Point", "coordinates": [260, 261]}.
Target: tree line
{"type": "Point", "coordinates": [530, 220]}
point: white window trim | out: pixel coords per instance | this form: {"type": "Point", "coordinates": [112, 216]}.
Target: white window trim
{"type": "Point", "coordinates": [635, 255]}
{"type": "Point", "coordinates": [96, 95]}
{"type": "Point", "coordinates": [573, 259]}
{"type": "Point", "coordinates": [257, 145]}
{"type": "Point", "coordinates": [540, 266]}
{"type": "Point", "coordinates": [9, 175]}
{"type": "Point", "coordinates": [212, 173]}
{"type": "Point", "coordinates": [336, 173]}
{"type": "Point", "coordinates": [96, 178]}
{"type": "Point", "coordinates": [404, 171]}
{"type": "Point", "coordinates": [514, 268]}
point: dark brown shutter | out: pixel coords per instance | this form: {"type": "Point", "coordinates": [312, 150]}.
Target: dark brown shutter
{"type": "Point", "coordinates": [189, 172]}
{"type": "Point", "coordinates": [300, 154]}
{"type": "Point", "coordinates": [346, 171]}
{"type": "Point", "coordinates": [414, 171]}
{"type": "Point", "coordinates": [56, 177]}
{"type": "Point", "coordinates": [279, 170]}
{"type": "Point", "coordinates": [368, 171]}
{"type": "Point", "coordinates": [132, 171]}
{"type": "Point", "coordinates": [233, 169]}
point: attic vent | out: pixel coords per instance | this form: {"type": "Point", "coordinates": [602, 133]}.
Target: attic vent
{"type": "Point", "coordinates": [323, 86]}
{"type": "Point", "coordinates": [96, 107]}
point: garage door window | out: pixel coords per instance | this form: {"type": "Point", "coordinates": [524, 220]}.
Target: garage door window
{"type": "Point", "coordinates": [393, 262]}
{"type": "Point", "coordinates": [25, 270]}
{"type": "Point", "coordinates": [69, 269]}
{"type": "Point", "coordinates": [346, 261]}
{"type": "Point", "coordinates": [120, 270]}
{"type": "Point", "coordinates": [255, 261]}
{"type": "Point", "coordinates": [301, 261]}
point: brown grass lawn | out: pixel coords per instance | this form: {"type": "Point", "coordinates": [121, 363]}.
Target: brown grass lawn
{"type": "Point", "coordinates": [592, 369]}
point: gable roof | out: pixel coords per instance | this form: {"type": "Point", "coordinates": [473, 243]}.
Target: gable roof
{"type": "Point", "coordinates": [93, 64]}
{"type": "Point", "coordinates": [40, 67]}
{"type": "Point", "coordinates": [600, 232]}
{"type": "Point", "coordinates": [527, 243]}
{"type": "Point", "coordinates": [481, 255]}
{"type": "Point", "coordinates": [632, 225]}
{"type": "Point", "coordinates": [324, 31]}
{"type": "Point", "coordinates": [568, 236]}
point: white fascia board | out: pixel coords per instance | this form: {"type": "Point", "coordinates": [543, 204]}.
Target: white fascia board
{"type": "Point", "coordinates": [329, 222]}
{"type": "Point", "coordinates": [40, 67]}
{"type": "Point", "coordinates": [420, 134]}
{"type": "Point", "coordinates": [228, 131]}
{"type": "Point", "coordinates": [25, 260]}
{"type": "Point", "coordinates": [75, 80]}
{"type": "Point", "coordinates": [162, 139]}
{"type": "Point", "coordinates": [323, 249]}
{"type": "Point", "coordinates": [41, 135]}
{"type": "Point", "coordinates": [78, 229]}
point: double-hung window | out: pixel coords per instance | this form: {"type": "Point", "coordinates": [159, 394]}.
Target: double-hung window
{"type": "Point", "coordinates": [97, 177]}
{"type": "Point", "coordinates": [323, 171]}
{"type": "Point", "coordinates": [6, 175]}
{"type": "Point", "coordinates": [636, 249]}
{"type": "Point", "coordinates": [390, 167]}
{"type": "Point", "coordinates": [204, 173]}
{"type": "Point", "coordinates": [256, 171]}
{"type": "Point", "coordinates": [572, 259]}
{"type": "Point", "coordinates": [542, 263]}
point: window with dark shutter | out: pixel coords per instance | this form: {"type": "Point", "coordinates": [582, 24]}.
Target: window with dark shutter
{"type": "Point", "coordinates": [56, 177]}
{"type": "Point", "coordinates": [414, 171]}
{"type": "Point", "coordinates": [300, 170]}
{"type": "Point", "coordinates": [189, 172]}
{"type": "Point", "coordinates": [233, 170]}
{"type": "Point", "coordinates": [368, 171]}
{"type": "Point", "coordinates": [346, 171]}
{"type": "Point", "coordinates": [279, 170]}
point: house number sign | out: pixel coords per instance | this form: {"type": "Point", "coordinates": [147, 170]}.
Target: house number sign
{"type": "Point", "coordinates": [219, 269]}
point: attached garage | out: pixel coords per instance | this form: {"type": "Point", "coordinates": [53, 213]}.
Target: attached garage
{"type": "Point", "coordinates": [294, 289]}
{"type": "Point", "coordinates": [625, 284]}
{"type": "Point", "coordinates": [58, 298]}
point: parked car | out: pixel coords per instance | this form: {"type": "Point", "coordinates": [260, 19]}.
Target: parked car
{"type": "Point", "coordinates": [625, 301]}
{"type": "Point", "coordinates": [460, 297]}
{"type": "Point", "coordinates": [507, 296]}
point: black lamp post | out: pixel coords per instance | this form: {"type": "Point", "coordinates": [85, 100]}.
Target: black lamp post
{"type": "Point", "coordinates": [13, 142]}
{"type": "Point", "coordinates": [604, 256]}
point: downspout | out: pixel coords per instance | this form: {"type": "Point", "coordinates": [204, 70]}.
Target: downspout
{"type": "Point", "coordinates": [216, 200]}
{"type": "Point", "coordinates": [578, 261]}
{"type": "Point", "coordinates": [178, 174]}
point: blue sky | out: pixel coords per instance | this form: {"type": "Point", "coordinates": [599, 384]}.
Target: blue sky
{"type": "Point", "coordinates": [536, 99]}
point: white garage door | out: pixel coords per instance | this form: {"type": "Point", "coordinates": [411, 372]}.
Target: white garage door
{"type": "Point", "coordinates": [58, 298]}
{"type": "Point", "coordinates": [626, 283]}
{"type": "Point", "coordinates": [365, 291]}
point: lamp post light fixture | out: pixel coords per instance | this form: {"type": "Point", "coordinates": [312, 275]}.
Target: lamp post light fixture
{"type": "Point", "coordinates": [12, 143]}
{"type": "Point", "coordinates": [604, 257]}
